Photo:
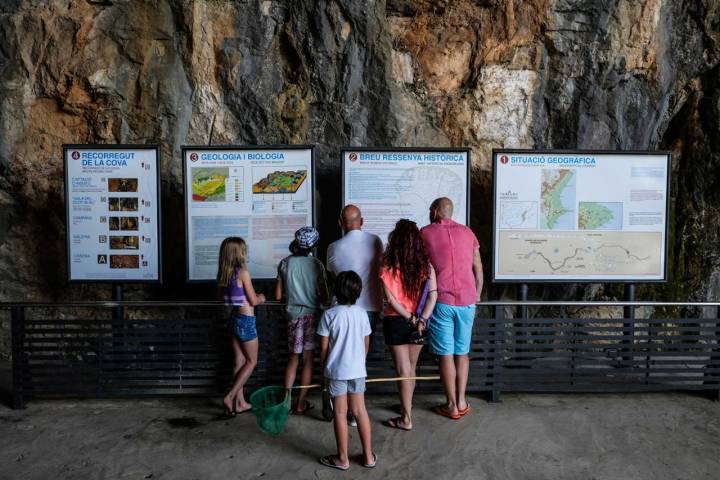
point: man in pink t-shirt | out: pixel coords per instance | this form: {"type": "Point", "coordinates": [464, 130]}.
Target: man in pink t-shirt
{"type": "Point", "coordinates": [454, 253]}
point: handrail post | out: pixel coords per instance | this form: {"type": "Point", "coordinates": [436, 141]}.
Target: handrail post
{"type": "Point", "coordinates": [495, 361]}
{"type": "Point", "coordinates": [17, 319]}
{"type": "Point", "coordinates": [117, 296]}
{"type": "Point", "coordinates": [523, 296]}
{"type": "Point", "coordinates": [716, 397]}
{"type": "Point", "coordinates": [629, 323]}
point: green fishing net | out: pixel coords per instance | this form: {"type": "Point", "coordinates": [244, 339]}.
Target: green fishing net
{"type": "Point", "coordinates": [271, 406]}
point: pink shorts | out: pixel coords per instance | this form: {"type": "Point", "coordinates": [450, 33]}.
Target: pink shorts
{"type": "Point", "coordinates": [301, 333]}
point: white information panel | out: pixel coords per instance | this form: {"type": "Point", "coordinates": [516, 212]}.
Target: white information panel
{"type": "Point", "coordinates": [391, 184]}
{"type": "Point", "coordinates": [261, 194]}
{"type": "Point", "coordinates": [580, 216]}
{"type": "Point", "coordinates": [113, 212]}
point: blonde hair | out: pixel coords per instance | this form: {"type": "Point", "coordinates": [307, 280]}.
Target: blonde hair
{"type": "Point", "coordinates": [233, 254]}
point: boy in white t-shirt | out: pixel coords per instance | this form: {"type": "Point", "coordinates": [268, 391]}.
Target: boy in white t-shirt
{"type": "Point", "coordinates": [344, 340]}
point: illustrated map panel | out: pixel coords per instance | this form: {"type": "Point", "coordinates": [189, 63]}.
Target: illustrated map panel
{"type": "Point", "coordinates": [584, 216]}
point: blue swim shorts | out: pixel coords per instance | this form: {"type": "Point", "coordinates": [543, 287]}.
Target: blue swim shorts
{"type": "Point", "coordinates": [451, 329]}
{"type": "Point", "coordinates": [243, 327]}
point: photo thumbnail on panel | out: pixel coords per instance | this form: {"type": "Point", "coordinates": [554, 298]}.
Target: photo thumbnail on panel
{"type": "Point", "coordinates": [122, 184]}
{"type": "Point", "coordinates": [123, 204]}
{"type": "Point", "coordinates": [124, 261]}
{"type": "Point", "coordinates": [124, 242]}
{"type": "Point", "coordinates": [123, 223]}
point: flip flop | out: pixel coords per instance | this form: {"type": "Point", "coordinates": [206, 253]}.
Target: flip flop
{"type": "Point", "coordinates": [442, 411]}
{"type": "Point", "coordinates": [464, 411]}
{"type": "Point", "coordinates": [308, 406]}
{"type": "Point", "coordinates": [395, 423]}
{"type": "Point", "coordinates": [228, 414]}
{"type": "Point", "coordinates": [371, 465]}
{"type": "Point", "coordinates": [329, 461]}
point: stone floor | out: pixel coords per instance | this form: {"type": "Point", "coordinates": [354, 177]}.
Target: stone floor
{"type": "Point", "coordinates": [658, 436]}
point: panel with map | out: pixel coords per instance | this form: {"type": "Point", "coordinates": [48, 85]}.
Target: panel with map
{"type": "Point", "coordinates": [580, 216]}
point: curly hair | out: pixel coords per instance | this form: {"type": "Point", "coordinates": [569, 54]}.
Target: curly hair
{"type": "Point", "coordinates": [406, 252]}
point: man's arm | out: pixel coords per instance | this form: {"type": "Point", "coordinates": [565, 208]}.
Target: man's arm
{"type": "Point", "coordinates": [367, 345]}
{"type": "Point", "coordinates": [478, 271]}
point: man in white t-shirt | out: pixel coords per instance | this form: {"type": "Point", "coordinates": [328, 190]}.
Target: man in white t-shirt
{"type": "Point", "coordinates": [360, 252]}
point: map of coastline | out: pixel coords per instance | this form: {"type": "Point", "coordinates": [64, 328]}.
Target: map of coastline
{"type": "Point", "coordinates": [557, 199]}
{"type": "Point", "coordinates": [600, 215]}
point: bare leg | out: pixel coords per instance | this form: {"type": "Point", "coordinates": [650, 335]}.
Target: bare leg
{"type": "Point", "coordinates": [250, 350]}
{"type": "Point", "coordinates": [357, 405]}
{"type": "Point", "coordinates": [404, 368]}
{"type": "Point", "coordinates": [341, 429]}
{"type": "Point", "coordinates": [228, 401]}
{"type": "Point", "coordinates": [448, 375]}
{"type": "Point", "coordinates": [462, 367]}
{"type": "Point", "coordinates": [237, 352]}
{"type": "Point", "coordinates": [290, 370]}
{"type": "Point", "coordinates": [305, 379]}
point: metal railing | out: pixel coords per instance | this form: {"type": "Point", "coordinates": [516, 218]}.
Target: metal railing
{"type": "Point", "coordinates": [105, 349]}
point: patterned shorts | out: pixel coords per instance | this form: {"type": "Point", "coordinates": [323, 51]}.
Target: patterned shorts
{"type": "Point", "coordinates": [301, 333]}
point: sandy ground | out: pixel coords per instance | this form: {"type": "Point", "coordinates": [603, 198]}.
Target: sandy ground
{"type": "Point", "coordinates": [659, 436]}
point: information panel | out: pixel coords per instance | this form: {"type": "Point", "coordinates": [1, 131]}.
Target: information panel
{"type": "Point", "coordinates": [580, 216]}
{"type": "Point", "coordinates": [113, 212]}
{"type": "Point", "coordinates": [262, 194]}
{"type": "Point", "coordinates": [390, 184]}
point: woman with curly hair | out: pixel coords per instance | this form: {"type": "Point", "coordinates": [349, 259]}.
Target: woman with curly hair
{"type": "Point", "coordinates": [410, 290]}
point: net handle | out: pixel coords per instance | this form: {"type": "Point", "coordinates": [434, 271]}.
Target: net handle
{"type": "Point", "coordinates": [374, 380]}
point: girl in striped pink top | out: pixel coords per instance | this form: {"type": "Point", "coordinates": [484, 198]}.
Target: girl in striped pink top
{"type": "Point", "coordinates": [237, 291]}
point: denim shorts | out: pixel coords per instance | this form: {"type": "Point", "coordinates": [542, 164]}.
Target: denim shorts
{"type": "Point", "coordinates": [338, 388]}
{"type": "Point", "coordinates": [243, 327]}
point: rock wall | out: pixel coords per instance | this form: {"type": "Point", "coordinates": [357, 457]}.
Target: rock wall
{"type": "Point", "coordinates": [617, 74]}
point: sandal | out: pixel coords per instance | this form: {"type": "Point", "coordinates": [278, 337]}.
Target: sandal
{"type": "Point", "coordinates": [308, 406]}
{"type": "Point", "coordinates": [443, 411]}
{"type": "Point", "coordinates": [371, 465]}
{"type": "Point", "coordinates": [329, 461]}
{"type": "Point", "coordinates": [395, 423]}
{"type": "Point", "coordinates": [228, 413]}
{"type": "Point", "coordinates": [464, 411]}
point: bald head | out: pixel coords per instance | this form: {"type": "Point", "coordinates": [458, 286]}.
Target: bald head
{"type": "Point", "coordinates": [350, 218]}
{"type": "Point", "coordinates": [441, 208]}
